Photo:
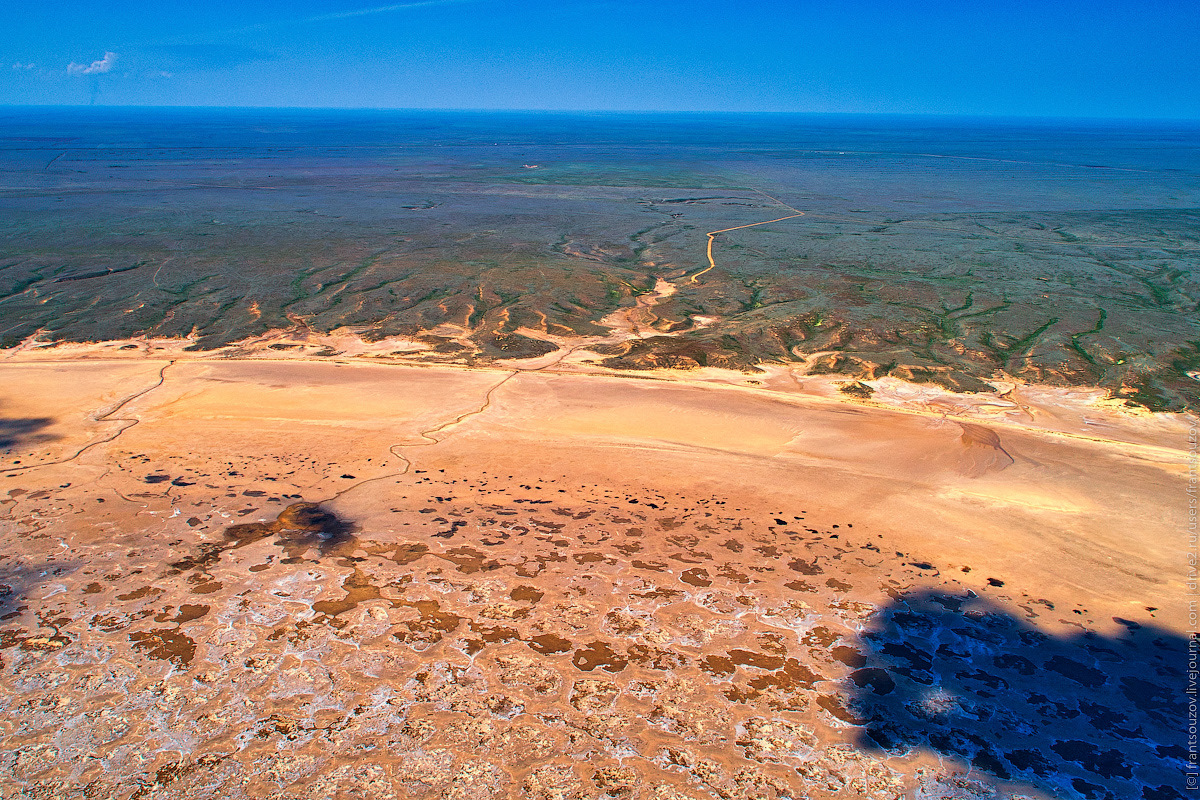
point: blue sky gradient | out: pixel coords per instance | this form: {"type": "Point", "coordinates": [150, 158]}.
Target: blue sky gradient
{"type": "Point", "coordinates": [1050, 58]}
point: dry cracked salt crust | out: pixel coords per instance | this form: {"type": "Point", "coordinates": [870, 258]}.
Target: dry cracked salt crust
{"type": "Point", "coordinates": [512, 641]}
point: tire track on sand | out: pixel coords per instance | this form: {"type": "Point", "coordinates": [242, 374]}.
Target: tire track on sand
{"type": "Point", "coordinates": [107, 416]}
{"type": "Point", "coordinates": [429, 436]}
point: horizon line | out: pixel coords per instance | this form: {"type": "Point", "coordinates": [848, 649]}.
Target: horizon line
{"type": "Point", "coordinates": [616, 111]}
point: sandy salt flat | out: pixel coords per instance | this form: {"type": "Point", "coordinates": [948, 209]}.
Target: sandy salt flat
{"type": "Point", "coordinates": [554, 586]}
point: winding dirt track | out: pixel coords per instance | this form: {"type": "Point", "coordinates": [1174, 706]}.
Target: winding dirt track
{"type": "Point", "coordinates": [712, 235]}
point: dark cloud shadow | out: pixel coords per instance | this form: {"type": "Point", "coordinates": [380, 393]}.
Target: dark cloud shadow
{"type": "Point", "coordinates": [20, 581]}
{"type": "Point", "coordinates": [20, 432]}
{"type": "Point", "coordinates": [13, 585]}
{"type": "Point", "coordinates": [1082, 717]}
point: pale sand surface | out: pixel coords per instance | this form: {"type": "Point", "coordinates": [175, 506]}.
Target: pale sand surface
{"type": "Point", "coordinates": [567, 584]}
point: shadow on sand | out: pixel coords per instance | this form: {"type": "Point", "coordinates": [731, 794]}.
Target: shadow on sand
{"type": "Point", "coordinates": [18, 432]}
{"type": "Point", "coordinates": [1082, 717]}
{"type": "Point", "coordinates": [19, 582]}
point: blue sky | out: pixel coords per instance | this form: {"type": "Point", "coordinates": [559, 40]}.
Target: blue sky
{"type": "Point", "coordinates": [1139, 58]}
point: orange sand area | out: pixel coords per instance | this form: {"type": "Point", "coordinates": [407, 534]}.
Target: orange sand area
{"type": "Point", "coordinates": [569, 567]}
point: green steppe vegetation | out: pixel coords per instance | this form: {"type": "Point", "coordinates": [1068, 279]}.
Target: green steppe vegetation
{"type": "Point", "coordinates": [1104, 298]}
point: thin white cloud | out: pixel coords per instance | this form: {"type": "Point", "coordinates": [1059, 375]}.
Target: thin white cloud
{"type": "Point", "coordinates": [362, 12]}
{"type": "Point", "coordinates": [19, 67]}
{"type": "Point", "coordinates": [97, 67]}
{"type": "Point", "coordinates": [359, 12]}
